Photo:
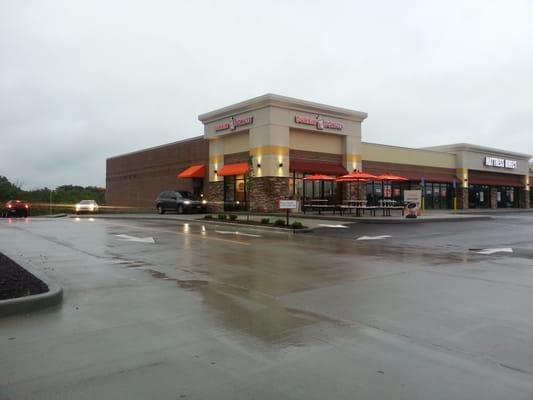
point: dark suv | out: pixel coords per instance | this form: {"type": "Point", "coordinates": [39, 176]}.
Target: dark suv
{"type": "Point", "coordinates": [180, 201]}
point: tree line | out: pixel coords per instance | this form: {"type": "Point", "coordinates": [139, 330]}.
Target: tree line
{"type": "Point", "coordinates": [60, 197]}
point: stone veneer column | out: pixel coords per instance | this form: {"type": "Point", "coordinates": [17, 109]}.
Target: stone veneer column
{"type": "Point", "coordinates": [526, 201]}
{"type": "Point", "coordinates": [462, 198]}
{"type": "Point", "coordinates": [523, 198]}
{"type": "Point", "coordinates": [215, 196]}
{"type": "Point", "coordinates": [493, 197]}
{"type": "Point", "coordinates": [267, 191]}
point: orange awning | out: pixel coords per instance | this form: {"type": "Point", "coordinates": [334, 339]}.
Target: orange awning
{"type": "Point", "coordinates": [233, 169]}
{"type": "Point", "coordinates": [194, 171]}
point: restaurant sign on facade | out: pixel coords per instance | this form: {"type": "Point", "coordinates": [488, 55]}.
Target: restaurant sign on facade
{"type": "Point", "coordinates": [500, 163]}
{"type": "Point", "coordinates": [318, 122]}
{"type": "Point", "coordinates": [234, 123]}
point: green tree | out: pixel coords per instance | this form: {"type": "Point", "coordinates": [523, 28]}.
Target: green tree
{"type": "Point", "coordinates": [8, 190]}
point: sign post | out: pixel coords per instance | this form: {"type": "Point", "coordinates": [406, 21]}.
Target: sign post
{"type": "Point", "coordinates": [288, 205]}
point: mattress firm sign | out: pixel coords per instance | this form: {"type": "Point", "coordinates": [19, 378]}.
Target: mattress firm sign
{"type": "Point", "coordinates": [318, 122]}
{"type": "Point", "coordinates": [500, 163]}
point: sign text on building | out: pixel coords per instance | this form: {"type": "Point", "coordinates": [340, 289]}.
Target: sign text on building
{"type": "Point", "coordinates": [500, 163]}
{"type": "Point", "coordinates": [318, 122]}
{"type": "Point", "coordinates": [234, 123]}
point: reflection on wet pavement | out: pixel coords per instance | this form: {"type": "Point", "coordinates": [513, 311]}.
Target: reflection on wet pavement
{"type": "Point", "coordinates": [300, 312]}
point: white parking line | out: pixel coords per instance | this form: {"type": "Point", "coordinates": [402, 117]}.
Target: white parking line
{"type": "Point", "coordinates": [492, 251]}
{"type": "Point", "coordinates": [148, 239]}
{"type": "Point", "coordinates": [237, 233]}
{"type": "Point", "coordinates": [373, 237]}
{"type": "Point", "coordinates": [332, 226]}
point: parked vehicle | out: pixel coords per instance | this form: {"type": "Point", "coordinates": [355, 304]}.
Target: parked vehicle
{"type": "Point", "coordinates": [179, 201]}
{"type": "Point", "coordinates": [86, 206]}
{"type": "Point", "coordinates": [16, 208]}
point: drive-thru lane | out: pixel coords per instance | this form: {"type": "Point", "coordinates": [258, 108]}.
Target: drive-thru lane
{"type": "Point", "coordinates": [166, 309]}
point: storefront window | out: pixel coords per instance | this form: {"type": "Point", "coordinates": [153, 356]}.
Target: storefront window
{"type": "Point", "coordinates": [437, 195]}
{"type": "Point", "coordinates": [235, 193]}
{"type": "Point", "coordinates": [377, 191]}
{"type": "Point", "coordinates": [506, 197]}
{"type": "Point", "coordinates": [308, 190]}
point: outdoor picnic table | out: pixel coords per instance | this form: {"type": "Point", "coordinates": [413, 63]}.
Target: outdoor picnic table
{"type": "Point", "coordinates": [319, 205]}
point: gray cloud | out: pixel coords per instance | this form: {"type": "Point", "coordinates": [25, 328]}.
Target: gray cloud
{"type": "Point", "coordinates": [82, 81]}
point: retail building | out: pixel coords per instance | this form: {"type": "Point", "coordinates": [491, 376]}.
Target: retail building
{"type": "Point", "coordinates": [277, 141]}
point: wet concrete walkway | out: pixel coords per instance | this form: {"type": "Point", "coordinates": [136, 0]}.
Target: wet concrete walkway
{"type": "Point", "coordinates": [209, 312]}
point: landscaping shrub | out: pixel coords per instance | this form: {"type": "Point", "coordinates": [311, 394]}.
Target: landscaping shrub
{"type": "Point", "coordinates": [265, 220]}
{"type": "Point", "coordinates": [232, 217]}
{"type": "Point", "coordinates": [222, 216]}
{"type": "Point", "coordinates": [208, 217]}
{"type": "Point", "coordinates": [279, 222]}
{"type": "Point", "coordinates": [297, 225]}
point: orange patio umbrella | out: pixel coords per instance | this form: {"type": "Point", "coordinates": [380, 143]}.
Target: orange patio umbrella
{"type": "Point", "coordinates": [391, 178]}
{"type": "Point", "coordinates": [357, 177]}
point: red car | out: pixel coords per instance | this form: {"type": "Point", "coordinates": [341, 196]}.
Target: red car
{"type": "Point", "coordinates": [15, 208]}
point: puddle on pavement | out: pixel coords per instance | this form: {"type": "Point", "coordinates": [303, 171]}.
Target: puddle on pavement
{"type": "Point", "coordinates": [191, 283]}
{"type": "Point", "coordinates": [255, 316]}
{"type": "Point", "coordinates": [156, 274]}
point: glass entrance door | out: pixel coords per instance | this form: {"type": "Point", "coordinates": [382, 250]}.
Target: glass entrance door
{"type": "Point", "coordinates": [479, 196]}
{"type": "Point", "coordinates": [507, 197]}
{"type": "Point", "coordinates": [235, 193]}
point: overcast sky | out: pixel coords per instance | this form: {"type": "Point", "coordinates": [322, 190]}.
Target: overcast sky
{"type": "Point", "coordinates": [81, 81]}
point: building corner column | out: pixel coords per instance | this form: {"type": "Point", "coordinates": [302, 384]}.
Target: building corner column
{"type": "Point", "coordinates": [524, 198]}
{"type": "Point", "coordinates": [462, 188]}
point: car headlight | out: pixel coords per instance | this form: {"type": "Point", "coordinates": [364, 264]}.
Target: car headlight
{"type": "Point", "coordinates": [187, 202]}
{"type": "Point", "coordinates": [204, 201]}
{"type": "Point", "coordinates": [91, 208]}
{"type": "Point", "coordinates": [77, 207]}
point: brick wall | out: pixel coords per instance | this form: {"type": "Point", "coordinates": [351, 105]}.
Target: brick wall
{"type": "Point", "coordinates": [135, 179]}
{"type": "Point", "coordinates": [315, 156]}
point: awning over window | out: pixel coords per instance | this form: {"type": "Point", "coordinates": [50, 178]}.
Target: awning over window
{"type": "Point", "coordinates": [193, 172]}
{"type": "Point", "coordinates": [494, 179]}
{"type": "Point", "coordinates": [233, 169]}
{"type": "Point", "coordinates": [312, 167]}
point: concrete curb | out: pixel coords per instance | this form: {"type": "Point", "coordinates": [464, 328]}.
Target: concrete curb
{"type": "Point", "coordinates": [213, 221]}
{"type": "Point", "coordinates": [27, 304]}
{"type": "Point", "coordinates": [390, 220]}
{"type": "Point", "coordinates": [346, 219]}
{"type": "Point", "coordinates": [421, 220]}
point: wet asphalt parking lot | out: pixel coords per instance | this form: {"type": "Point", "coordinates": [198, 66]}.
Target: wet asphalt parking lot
{"type": "Point", "coordinates": [162, 309]}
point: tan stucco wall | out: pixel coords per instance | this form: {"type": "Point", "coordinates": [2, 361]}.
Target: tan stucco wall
{"type": "Point", "coordinates": [235, 143]}
{"type": "Point", "coordinates": [314, 141]}
{"type": "Point", "coordinates": [273, 130]}
{"type": "Point", "coordinates": [400, 155]}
